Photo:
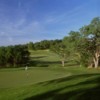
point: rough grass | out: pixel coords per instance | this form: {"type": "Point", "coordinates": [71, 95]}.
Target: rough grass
{"type": "Point", "coordinates": [47, 80]}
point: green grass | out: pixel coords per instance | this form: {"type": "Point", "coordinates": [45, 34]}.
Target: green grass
{"type": "Point", "coordinates": [50, 84]}
{"type": "Point", "coordinates": [44, 58]}
{"type": "Point", "coordinates": [46, 79]}
{"type": "Point", "coordinates": [73, 87]}
{"type": "Point", "coordinates": [20, 77]}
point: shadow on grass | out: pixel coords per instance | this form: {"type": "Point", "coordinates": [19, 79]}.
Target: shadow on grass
{"type": "Point", "coordinates": [37, 62]}
{"type": "Point", "coordinates": [79, 91]}
{"type": "Point", "coordinates": [75, 77]}
{"type": "Point", "coordinates": [38, 57]}
{"type": "Point", "coordinates": [72, 63]}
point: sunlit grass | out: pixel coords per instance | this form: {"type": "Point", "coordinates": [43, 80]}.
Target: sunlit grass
{"type": "Point", "coordinates": [46, 79]}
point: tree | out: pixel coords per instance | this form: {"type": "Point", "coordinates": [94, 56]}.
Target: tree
{"type": "Point", "coordinates": [9, 55]}
{"type": "Point", "coordinates": [30, 46]}
{"type": "Point", "coordinates": [20, 55]}
{"type": "Point", "coordinates": [61, 51]}
{"type": "Point", "coordinates": [2, 56]}
{"type": "Point", "coordinates": [71, 42]}
{"type": "Point", "coordinates": [92, 34]}
{"type": "Point", "coordinates": [45, 44]}
{"type": "Point", "coordinates": [13, 56]}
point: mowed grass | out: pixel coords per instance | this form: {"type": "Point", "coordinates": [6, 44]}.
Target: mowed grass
{"type": "Point", "coordinates": [19, 77]}
{"type": "Point", "coordinates": [46, 79]}
{"type": "Point", "coordinates": [74, 87]}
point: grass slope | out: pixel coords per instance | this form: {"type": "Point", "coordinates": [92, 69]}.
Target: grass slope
{"type": "Point", "coordinates": [47, 80]}
{"type": "Point", "coordinates": [19, 77]}
{"type": "Point", "coordinates": [76, 87]}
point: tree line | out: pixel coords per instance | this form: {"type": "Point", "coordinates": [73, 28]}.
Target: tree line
{"type": "Point", "coordinates": [14, 56]}
{"type": "Point", "coordinates": [42, 45]}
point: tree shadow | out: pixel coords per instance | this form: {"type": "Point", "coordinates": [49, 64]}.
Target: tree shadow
{"type": "Point", "coordinates": [78, 91]}
{"type": "Point", "coordinates": [37, 62]}
{"type": "Point", "coordinates": [69, 78]}
{"type": "Point", "coordinates": [38, 57]}
{"type": "Point", "coordinates": [72, 63]}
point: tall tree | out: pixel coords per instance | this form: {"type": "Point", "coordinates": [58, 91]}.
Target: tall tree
{"type": "Point", "coordinates": [61, 51]}
{"type": "Point", "coordinates": [71, 42]}
{"type": "Point", "coordinates": [92, 33]}
{"type": "Point", "coordinates": [13, 56]}
{"type": "Point", "coordinates": [2, 56]}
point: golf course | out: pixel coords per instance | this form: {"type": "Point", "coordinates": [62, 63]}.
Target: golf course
{"type": "Point", "coordinates": [49, 49]}
{"type": "Point", "coordinates": [48, 80]}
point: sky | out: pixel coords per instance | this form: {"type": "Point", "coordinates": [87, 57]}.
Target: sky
{"type": "Point", "coordinates": [23, 21]}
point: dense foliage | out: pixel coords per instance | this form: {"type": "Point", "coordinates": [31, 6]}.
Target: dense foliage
{"type": "Point", "coordinates": [86, 44]}
{"type": "Point", "coordinates": [92, 35]}
{"type": "Point", "coordinates": [13, 56]}
{"type": "Point", "coordinates": [42, 45]}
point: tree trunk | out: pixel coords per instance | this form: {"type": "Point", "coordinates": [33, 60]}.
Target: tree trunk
{"type": "Point", "coordinates": [96, 63]}
{"type": "Point", "coordinates": [96, 60]}
{"type": "Point", "coordinates": [91, 65]}
{"type": "Point", "coordinates": [63, 63]}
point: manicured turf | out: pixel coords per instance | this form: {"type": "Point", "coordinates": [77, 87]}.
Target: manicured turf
{"type": "Point", "coordinates": [52, 82]}
{"type": "Point", "coordinates": [20, 77]}
{"type": "Point", "coordinates": [74, 87]}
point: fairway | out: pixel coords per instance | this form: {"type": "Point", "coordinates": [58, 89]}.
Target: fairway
{"type": "Point", "coordinates": [21, 77]}
{"type": "Point", "coordinates": [10, 78]}
{"type": "Point", "coordinates": [46, 79]}
{"type": "Point", "coordinates": [49, 84]}
{"type": "Point", "coordinates": [49, 49]}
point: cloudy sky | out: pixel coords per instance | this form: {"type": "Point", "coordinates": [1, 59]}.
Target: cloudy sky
{"type": "Point", "coordinates": [22, 21]}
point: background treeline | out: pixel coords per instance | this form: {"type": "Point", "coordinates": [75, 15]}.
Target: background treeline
{"type": "Point", "coordinates": [42, 45]}
{"type": "Point", "coordinates": [14, 56]}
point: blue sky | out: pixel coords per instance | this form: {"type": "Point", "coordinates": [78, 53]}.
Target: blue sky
{"type": "Point", "coordinates": [22, 21]}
